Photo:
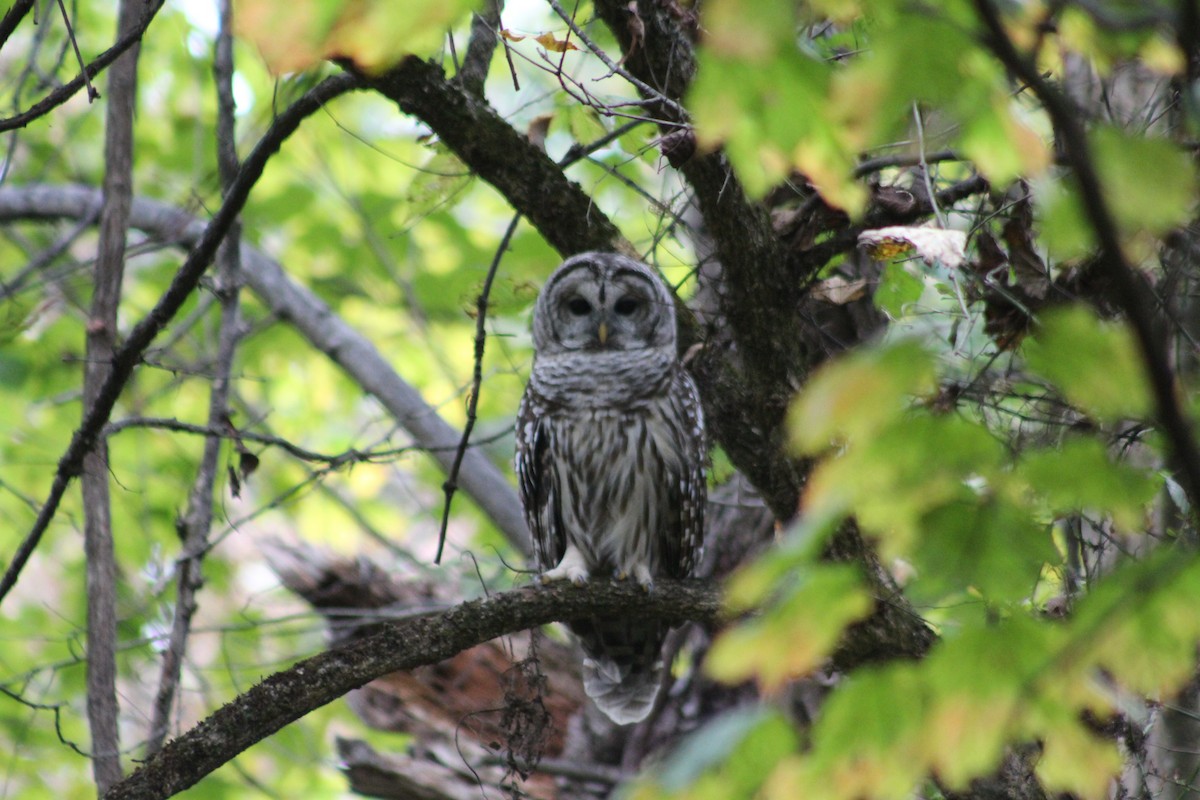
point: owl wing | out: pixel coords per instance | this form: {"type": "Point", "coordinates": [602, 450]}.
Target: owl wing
{"type": "Point", "coordinates": [536, 482]}
{"type": "Point", "coordinates": [682, 546]}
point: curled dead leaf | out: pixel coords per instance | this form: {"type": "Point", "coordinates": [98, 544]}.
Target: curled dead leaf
{"type": "Point", "coordinates": [838, 290]}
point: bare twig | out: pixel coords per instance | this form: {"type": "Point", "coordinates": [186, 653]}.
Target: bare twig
{"type": "Point", "coordinates": [1129, 290]}
{"type": "Point", "coordinates": [47, 256]}
{"type": "Point", "coordinates": [481, 306]}
{"type": "Point", "coordinates": [101, 343]}
{"type": "Point", "coordinates": [67, 90]}
{"type": "Point", "coordinates": [91, 90]}
{"type": "Point", "coordinates": [288, 695]}
{"type": "Point", "coordinates": [196, 522]}
{"type": "Point", "coordinates": [680, 114]}
{"type": "Point", "coordinates": [346, 457]}
{"type": "Point", "coordinates": [180, 289]}
{"type": "Point", "coordinates": [56, 708]}
{"type": "Point", "coordinates": [226, 432]}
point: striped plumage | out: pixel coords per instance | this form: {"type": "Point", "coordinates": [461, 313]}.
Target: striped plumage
{"type": "Point", "coordinates": [610, 457]}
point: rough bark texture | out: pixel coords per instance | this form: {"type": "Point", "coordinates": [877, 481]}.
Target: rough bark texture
{"type": "Point", "coordinates": [102, 705]}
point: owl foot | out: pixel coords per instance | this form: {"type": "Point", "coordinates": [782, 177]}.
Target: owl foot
{"type": "Point", "coordinates": [571, 568]}
{"type": "Point", "coordinates": [640, 574]}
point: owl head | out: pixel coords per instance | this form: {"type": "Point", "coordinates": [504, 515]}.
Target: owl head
{"type": "Point", "coordinates": [603, 302]}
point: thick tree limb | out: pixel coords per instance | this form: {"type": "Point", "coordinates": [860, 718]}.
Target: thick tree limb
{"type": "Point", "coordinates": [329, 333]}
{"type": "Point", "coordinates": [288, 695]}
{"type": "Point", "coordinates": [185, 281]}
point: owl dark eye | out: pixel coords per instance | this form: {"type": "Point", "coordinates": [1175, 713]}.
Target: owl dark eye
{"type": "Point", "coordinates": [578, 306]}
{"type": "Point", "coordinates": [626, 306]}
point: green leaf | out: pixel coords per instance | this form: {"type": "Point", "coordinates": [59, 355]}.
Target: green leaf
{"type": "Point", "coordinates": [294, 35]}
{"type": "Point", "coordinates": [1150, 183]}
{"type": "Point", "coordinates": [1095, 364]}
{"type": "Point", "coordinates": [987, 544]}
{"type": "Point", "coordinates": [730, 756]}
{"type": "Point", "coordinates": [1065, 231]}
{"type": "Point", "coordinates": [1079, 476]}
{"type": "Point", "coordinates": [763, 114]}
{"type": "Point", "coordinates": [1140, 624]}
{"type": "Point", "coordinates": [753, 583]}
{"type": "Point", "coordinates": [893, 476]}
{"type": "Point", "coordinates": [857, 395]}
{"type": "Point", "coordinates": [1001, 145]}
{"type": "Point", "coordinates": [1074, 760]}
{"type": "Point", "coordinates": [795, 635]}
{"type": "Point", "coordinates": [899, 288]}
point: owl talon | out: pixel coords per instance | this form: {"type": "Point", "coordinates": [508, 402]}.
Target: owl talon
{"type": "Point", "coordinates": [571, 568]}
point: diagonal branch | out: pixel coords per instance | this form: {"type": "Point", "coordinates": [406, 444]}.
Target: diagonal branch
{"type": "Point", "coordinates": [12, 18]}
{"type": "Point", "coordinates": [185, 281]}
{"type": "Point", "coordinates": [287, 696]}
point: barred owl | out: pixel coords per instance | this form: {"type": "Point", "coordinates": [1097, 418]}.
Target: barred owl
{"type": "Point", "coordinates": [610, 457]}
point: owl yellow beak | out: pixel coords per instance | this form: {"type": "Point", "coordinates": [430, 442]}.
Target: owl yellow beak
{"type": "Point", "coordinates": [602, 332]}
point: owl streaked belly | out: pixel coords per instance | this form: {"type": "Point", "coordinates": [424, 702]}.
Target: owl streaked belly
{"type": "Point", "coordinates": [615, 519]}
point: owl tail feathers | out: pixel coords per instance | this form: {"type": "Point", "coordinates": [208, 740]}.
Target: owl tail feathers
{"type": "Point", "coordinates": [624, 692]}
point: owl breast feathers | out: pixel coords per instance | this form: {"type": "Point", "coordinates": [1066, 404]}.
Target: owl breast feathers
{"type": "Point", "coordinates": [611, 458]}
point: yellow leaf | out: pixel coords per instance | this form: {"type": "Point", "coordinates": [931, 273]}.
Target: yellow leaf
{"type": "Point", "coordinates": [548, 41]}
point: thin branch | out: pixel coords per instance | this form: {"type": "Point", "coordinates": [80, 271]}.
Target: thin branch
{"type": "Point", "coordinates": [56, 708]}
{"type": "Point", "coordinates": [450, 486]}
{"type": "Point", "coordinates": [102, 706]}
{"type": "Point", "coordinates": [313, 319]}
{"type": "Point", "coordinates": [64, 93]}
{"type": "Point", "coordinates": [91, 90]}
{"type": "Point", "coordinates": [196, 522]}
{"type": "Point", "coordinates": [864, 168]}
{"type": "Point", "coordinates": [288, 695]}
{"type": "Point", "coordinates": [47, 257]}
{"type": "Point", "coordinates": [679, 114]}
{"type": "Point", "coordinates": [1129, 290]}
{"type": "Point", "coordinates": [181, 287]}
{"type": "Point", "coordinates": [228, 432]}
